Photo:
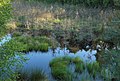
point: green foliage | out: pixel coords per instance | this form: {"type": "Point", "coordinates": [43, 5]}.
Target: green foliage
{"type": "Point", "coordinates": [38, 43]}
{"type": "Point", "coordinates": [106, 74]}
{"type": "Point", "coordinates": [43, 47]}
{"type": "Point", "coordinates": [77, 60]}
{"type": "Point", "coordinates": [111, 62]}
{"type": "Point", "coordinates": [59, 68]}
{"type": "Point", "coordinates": [32, 75]}
{"type": "Point", "coordinates": [93, 68]}
{"type": "Point", "coordinates": [5, 15]}
{"type": "Point", "coordinates": [9, 58]}
{"type": "Point", "coordinates": [8, 51]}
{"type": "Point", "coordinates": [79, 67]}
{"type": "Point", "coordinates": [38, 75]}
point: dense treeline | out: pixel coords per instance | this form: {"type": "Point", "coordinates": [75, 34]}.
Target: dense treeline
{"type": "Point", "coordinates": [93, 3]}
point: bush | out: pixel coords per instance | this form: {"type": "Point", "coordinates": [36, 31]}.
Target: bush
{"type": "Point", "coordinates": [5, 15]}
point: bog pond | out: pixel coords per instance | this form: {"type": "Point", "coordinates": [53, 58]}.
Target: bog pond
{"type": "Point", "coordinates": [41, 60]}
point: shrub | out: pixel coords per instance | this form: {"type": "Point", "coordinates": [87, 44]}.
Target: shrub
{"type": "Point", "coordinates": [5, 15]}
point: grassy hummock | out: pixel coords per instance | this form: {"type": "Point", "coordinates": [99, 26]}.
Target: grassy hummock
{"type": "Point", "coordinates": [38, 43]}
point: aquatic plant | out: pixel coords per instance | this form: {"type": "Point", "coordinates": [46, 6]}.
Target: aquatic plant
{"type": "Point", "coordinates": [59, 68]}
{"type": "Point", "coordinates": [77, 60]}
{"type": "Point", "coordinates": [93, 68]}
{"type": "Point", "coordinates": [23, 76]}
{"type": "Point", "coordinates": [60, 61]}
{"type": "Point", "coordinates": [32, 75]}
{"type": "Point", "coordinates": [38, 75]}
{"type": "Point", "coordinates": [106, 74]}
{"type": "Point", "coordinates": [79, 67]}
{"type": "Point", "coordinates": [38, 43]}
{"type": "Point", "coordinates": [43, 47]}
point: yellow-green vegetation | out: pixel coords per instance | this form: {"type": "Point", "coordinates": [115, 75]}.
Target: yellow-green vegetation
{"type": "Point", "coordinates": [79, 65]}
{"type": "Point", "coordinates": [5, 15]}
{"type": "Point", "coordinates": [77, 60]}
{"type": "Point", "coordinates": [32, 75]}
{"type": "Point", "coordinates": [59, 68]}
{"type": "Point", "coordinates": [8, 53]}
{"type": "Point", "coordinates": [39, 43]}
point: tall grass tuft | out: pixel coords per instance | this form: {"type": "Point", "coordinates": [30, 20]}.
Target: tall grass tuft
{"type": "Point", "coordinates": [32, 75]}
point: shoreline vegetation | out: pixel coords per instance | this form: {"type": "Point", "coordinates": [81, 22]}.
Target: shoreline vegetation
{"type": "Point", "coordinates": [76, 24]}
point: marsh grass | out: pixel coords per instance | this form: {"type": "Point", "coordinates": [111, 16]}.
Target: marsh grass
{"type": "Point", "coordinates": [79, 67]}
{"type": "Point", "coordinates": [93, 68]}
{"type": "Point", "coordinates": [87, 24]}
{"type": "Point", "coordinates": [32, 75]}
{"type": "Point", "coordinates": [59, 68]}
{"type": "Point", "coordinates": [38, 43]}
{"type": "Point", "coordinates": [77, 60]}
